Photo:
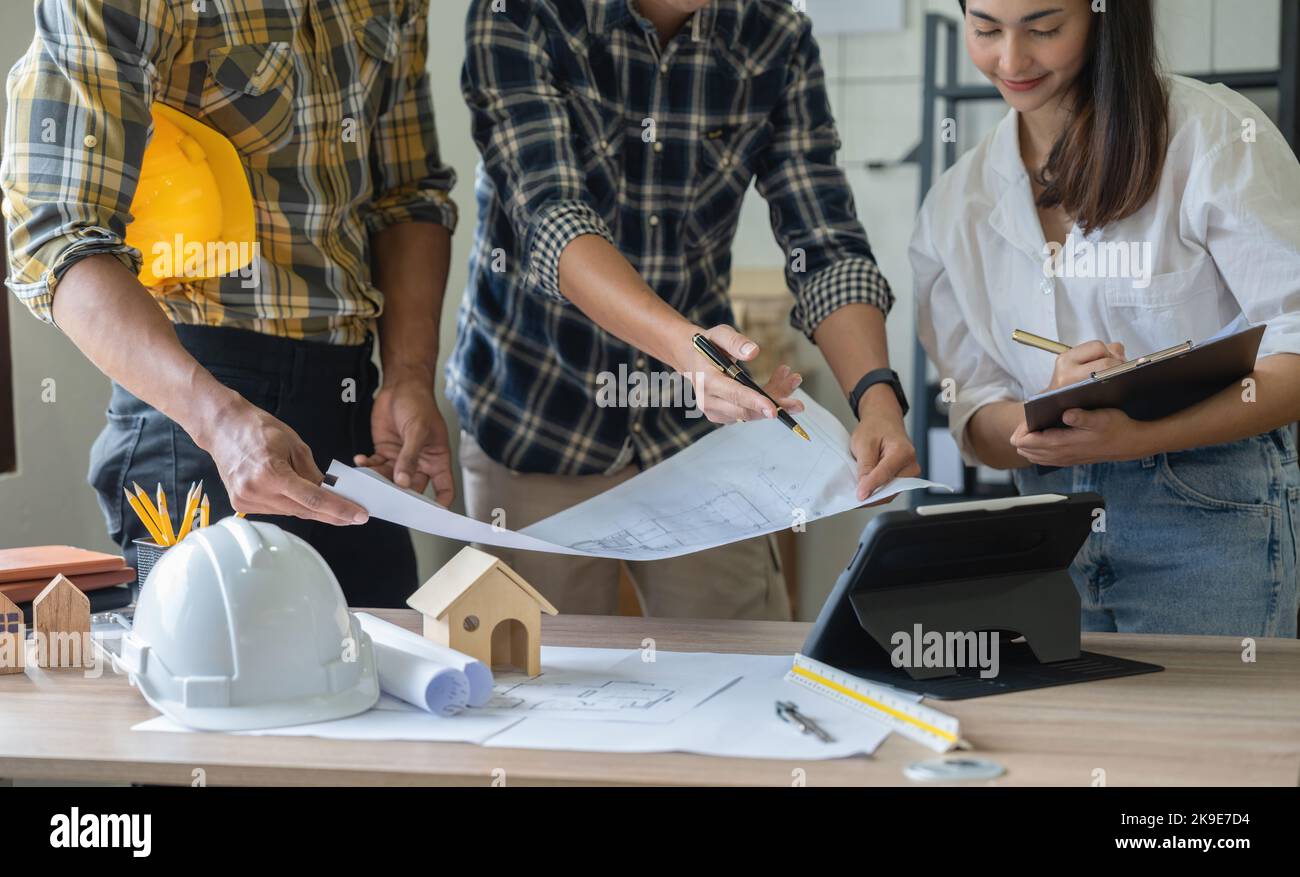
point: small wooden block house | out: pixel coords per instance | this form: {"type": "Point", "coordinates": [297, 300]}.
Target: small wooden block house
{"type": "Point", "coordinates": [13, 638]}
{"type": "Point", "coordinates": [61, 622]}
{"type": "Point", "coordinates": [478, 605]}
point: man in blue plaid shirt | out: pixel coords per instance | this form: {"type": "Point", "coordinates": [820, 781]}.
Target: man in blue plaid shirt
{"type": "Point", "coordinates": [618, 138]}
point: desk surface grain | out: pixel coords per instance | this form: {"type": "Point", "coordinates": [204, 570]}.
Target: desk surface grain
{"type": "Point", "coordinates": [1208, 719]}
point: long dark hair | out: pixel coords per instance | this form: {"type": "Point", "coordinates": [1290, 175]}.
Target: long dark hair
{"type": "Point", "coordinates": [1107, 162]}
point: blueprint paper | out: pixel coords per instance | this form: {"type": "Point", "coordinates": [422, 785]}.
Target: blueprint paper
{"type": "Point", "coordinates": [737, 482]}
{"type": "Point", "coordinates": [390, 719]}
{"type": "Point", "coordinates": [423, 673]}
{"type": "Point", "coordinates": [739, 720]}
{"type": "Point", "coordinates": [393, 719]}
{"type": "Point", "coordinates": [641, 693]}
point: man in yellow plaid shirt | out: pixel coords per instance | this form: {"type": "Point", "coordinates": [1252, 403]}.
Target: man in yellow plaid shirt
{"type": "Point", "coordinates": [251, 381]}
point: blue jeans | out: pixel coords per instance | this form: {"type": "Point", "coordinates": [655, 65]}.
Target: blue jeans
{"type": "Point", "coordinates": [1201, 541]}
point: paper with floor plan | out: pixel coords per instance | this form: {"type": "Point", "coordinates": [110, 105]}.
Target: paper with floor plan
{"type": "Point", "coordinates": [737, 482]}
{"type": "Point", "coordinates": [738, 719]}
{"type": "Point", "coordinates": [630, 692]}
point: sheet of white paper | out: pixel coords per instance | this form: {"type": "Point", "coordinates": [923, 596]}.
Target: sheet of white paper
{"type": "Point", "coordinates": [737, 482]}
{"type": "Point", "coordinates": [389, 720]}
{"type": "Point", "coordinates": [393, 719]}
{"type": "Point", "coordinates": [739, 721]}
{"type": "Point", "coordinates": [423, 672]}
{"type": "Point", "coordinates": [641, 693]}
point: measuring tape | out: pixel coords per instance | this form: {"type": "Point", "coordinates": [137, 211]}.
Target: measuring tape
{"type": "Point", "coordinates": [927, 726]}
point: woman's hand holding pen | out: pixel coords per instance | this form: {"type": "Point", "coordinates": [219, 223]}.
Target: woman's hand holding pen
{"type": "Point", "coordinates": [724, 400]}
{"type": "Point", "coordinates": [1078, 363]}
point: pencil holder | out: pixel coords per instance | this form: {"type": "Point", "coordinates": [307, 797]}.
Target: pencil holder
{"type": "Point", "coordinates": [147, 553]}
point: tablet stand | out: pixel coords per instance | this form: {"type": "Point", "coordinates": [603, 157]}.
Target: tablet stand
{"type": "Point", "coordinates": [925, 586]}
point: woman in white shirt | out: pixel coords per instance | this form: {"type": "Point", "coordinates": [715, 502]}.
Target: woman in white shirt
{"type": "Point", "coordinates": [1121, 210]}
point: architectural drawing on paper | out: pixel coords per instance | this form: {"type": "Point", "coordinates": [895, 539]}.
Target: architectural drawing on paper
{"type": "Point", "coordinates": [613, 695]}
{"type": "Point", "coordinates": [714, 519]}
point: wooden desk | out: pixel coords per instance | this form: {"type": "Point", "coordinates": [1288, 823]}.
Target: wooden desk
{"type": "Point", "coordinates": [1208, 719]}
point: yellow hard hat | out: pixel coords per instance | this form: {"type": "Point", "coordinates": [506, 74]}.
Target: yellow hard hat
{"type": "Point", "coordinates": [193, 193]}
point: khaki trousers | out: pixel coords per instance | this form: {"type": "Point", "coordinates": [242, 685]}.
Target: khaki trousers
{"type": "Point", "coordinates": [740, 580]}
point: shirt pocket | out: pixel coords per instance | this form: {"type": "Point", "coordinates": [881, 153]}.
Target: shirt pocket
{"type": "Point", "coordinates": [250, 96]}
{"type": "Point", "coordinates": [599, 134]}
{"type": "Point", "coordinates": [726, 159]}
{"type": "Point", "coordinates": [1172, 308]}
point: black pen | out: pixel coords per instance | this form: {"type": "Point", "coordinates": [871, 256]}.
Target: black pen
{"type": "Point", "coordinates": [737, 371]}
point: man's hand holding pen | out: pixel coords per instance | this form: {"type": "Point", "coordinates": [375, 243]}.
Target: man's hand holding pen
{"type": "Point", "coordinates": [724, 399]}
{"type": "Point", "coordinates": [879, 443]}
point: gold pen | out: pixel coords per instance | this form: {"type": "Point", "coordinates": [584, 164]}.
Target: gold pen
{"type": "Point", "coordinates": [1029, 339]}
{"type": "Point", "coordinates": [737, 372]}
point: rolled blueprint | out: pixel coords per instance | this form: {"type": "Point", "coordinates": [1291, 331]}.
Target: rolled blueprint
{"type": "Point", "coordinates": [424, 673]}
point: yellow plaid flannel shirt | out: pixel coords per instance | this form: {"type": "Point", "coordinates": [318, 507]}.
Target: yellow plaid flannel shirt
{"type": "Point", "coordinates": [326, 101]}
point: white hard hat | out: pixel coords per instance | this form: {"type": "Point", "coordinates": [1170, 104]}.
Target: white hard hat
{"type": "Point", "coordinates": [241, 626]}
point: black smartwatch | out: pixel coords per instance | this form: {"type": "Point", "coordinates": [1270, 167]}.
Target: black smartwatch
{"type": "Point", "coordinates": [869, 380]}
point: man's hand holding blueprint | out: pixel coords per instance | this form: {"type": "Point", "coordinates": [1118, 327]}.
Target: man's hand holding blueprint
{"type": "Point", "coordinates": [740, 481]}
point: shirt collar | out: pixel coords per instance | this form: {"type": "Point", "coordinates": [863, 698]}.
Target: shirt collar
{"type": "Point", "coordinates": [609, 14]}
{"type": "Point", "coordinates": [720, 17]}
{"type": "Point", "coordinates": [1005, 151]}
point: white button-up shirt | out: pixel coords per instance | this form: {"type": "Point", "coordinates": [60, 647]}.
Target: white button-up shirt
{"type": "Point", "coordinates": [1218, 240]}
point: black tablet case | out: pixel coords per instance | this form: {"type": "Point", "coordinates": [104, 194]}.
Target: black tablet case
{"type": "Point", "coordinates": [978, 570]}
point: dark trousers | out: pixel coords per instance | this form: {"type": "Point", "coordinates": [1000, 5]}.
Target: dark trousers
{"type": "Point", "coordinates": [322, 391]}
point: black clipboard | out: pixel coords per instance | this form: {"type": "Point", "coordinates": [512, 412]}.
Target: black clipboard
{"type": "Point", "coordinates": [1156, 385]}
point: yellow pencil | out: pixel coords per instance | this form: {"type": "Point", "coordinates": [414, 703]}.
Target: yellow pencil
{"type": "Point", "coordinates": [239, 514]}
{"type": "Point", "coordinates": [144, 517]}
{"type": "Point", "coordinates": [166, 517]}
{"type": "Point", "coordinates": [147, 505]}
{"type": "Point", "coordinates": [191, 504]}
{"type": "Point", "coordinates": [203, 511]}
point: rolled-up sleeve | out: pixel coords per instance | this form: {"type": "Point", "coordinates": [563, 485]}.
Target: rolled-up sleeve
{"type": "Point", "coordinates": [829, 263]}
{"type": "Point", "coordinates": [411, 182]}
{"type": "Point", "coordinates": [1244, 205]}
{"type": "Point", "coordinates": [942, 325]}
{"type": "Point", "coordinates": [75, 134]}
{"type": "Point", "coordinates": [521, 128]}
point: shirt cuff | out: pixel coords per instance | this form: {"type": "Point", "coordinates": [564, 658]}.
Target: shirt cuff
{"type": "Point", "coordinates": [412, 205]}
{"type": "Point", "coordinates": [1281, 336]}
{"type": "Point", "coordinates": [960, 413]}
{"type": "Point", "coordinates": [38, 295]}
{"type": "Point", "coordinates": [852, 281]}
{"type": "Point", "coordinates": [554, 228]}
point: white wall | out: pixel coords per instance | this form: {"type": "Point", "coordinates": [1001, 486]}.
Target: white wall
{"type": "Point", "coordinates": [876, 90]}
